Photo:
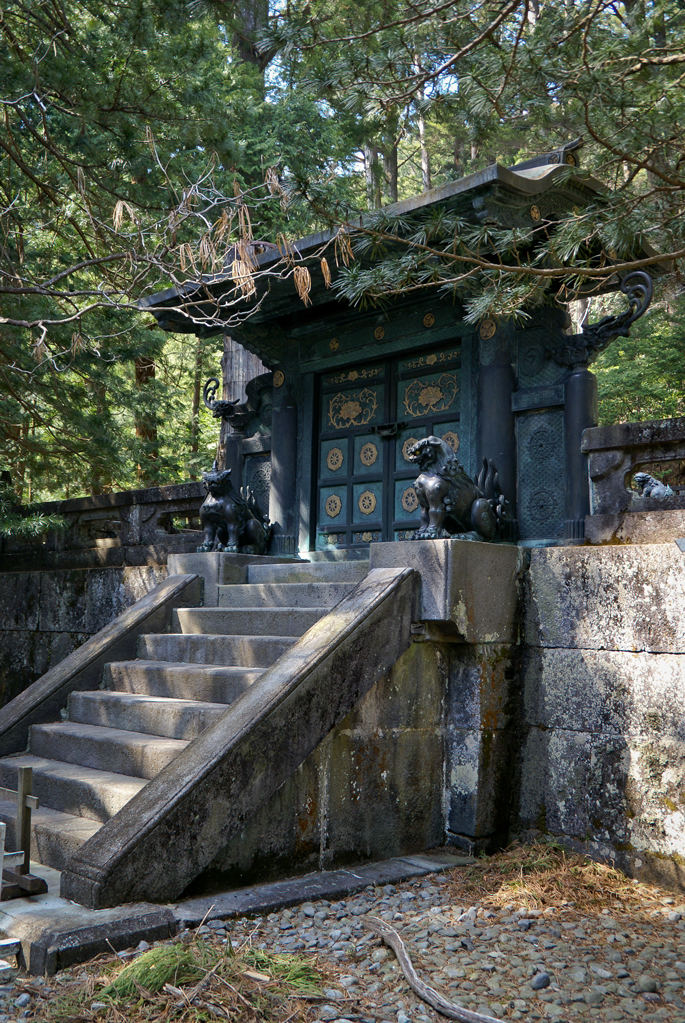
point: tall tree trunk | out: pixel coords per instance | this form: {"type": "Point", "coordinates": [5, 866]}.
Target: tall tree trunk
{"type": "Point", "coordinates": [195, 408]}
{"type": "Point", "coordinates": [146, 426]}
{"type": "Point", "coordinates": [249, 18]}
{"type": "Point", "coordinates": [425, 155]}
{"type": "Point", "coordinates": [373, 175]}
{"type": "Point", "coordinates": [390, 171]}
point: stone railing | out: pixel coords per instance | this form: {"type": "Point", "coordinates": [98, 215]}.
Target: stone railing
{"type": "Point", "coordinates": [133, 527]}
{"type": "Point", "coordinates": [619, 514]}
{"type": "Point", "coordinates": [616, 452]}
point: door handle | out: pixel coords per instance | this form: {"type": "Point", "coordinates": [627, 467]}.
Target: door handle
{"type": "Point", "coordinates": [387, 429]}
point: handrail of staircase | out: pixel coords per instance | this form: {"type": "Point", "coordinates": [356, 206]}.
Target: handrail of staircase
{"type": "Point", "coordinates": [171, 830]}
{"type": "Point", "coordinates": [82, 669]}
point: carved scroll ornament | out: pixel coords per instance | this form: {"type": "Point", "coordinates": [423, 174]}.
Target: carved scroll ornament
{"type": "Point", "coordinates": [582, 349]}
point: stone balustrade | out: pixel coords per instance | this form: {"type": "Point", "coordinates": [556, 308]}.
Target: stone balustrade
{"type": "Point", "coordinates": [618, 513]}
{"type": "Point", "coordinates": [134, 527]}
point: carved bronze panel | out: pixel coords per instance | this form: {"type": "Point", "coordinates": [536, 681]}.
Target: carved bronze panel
{"type": "Point", "coordinates": [409, 442]}
{"type": "Point", "coordinates": [368, 454]}
{"type": "Point", "coordinates": [421, 397]}
{"type": "Point", "coordinates": [350, 376]}
{"type": "Point", "coordinates": [352, 408]}
{"type": "Point", "coordinates": [452, 439]}
{"type": "Point", "coordinates": [434, 359]}
{"type": "Point", "coordinates": [410, 501]}
{"type": "Point", "coordinates": [333, 506]}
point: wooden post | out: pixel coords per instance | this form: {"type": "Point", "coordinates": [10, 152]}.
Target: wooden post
{"type": "Point", "coordinates": [15, 867]}
{"type": "Point", "coordinates": [23, 836]}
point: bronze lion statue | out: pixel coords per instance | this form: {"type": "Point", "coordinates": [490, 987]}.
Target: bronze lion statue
{"type": "Point", "coordinates": [452, 504]}
{"type": "Point", "coordinates": [231, 521]}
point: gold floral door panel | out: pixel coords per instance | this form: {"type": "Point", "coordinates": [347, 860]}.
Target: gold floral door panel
{"type": "Point", "coordinates": [369, 418]}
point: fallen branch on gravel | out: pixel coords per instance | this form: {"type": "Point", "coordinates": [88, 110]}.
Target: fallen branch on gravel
{"type": "Point", "coordinates": [391, 938]}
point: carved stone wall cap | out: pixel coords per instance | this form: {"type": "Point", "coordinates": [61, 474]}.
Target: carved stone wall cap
{"type": "Point", "coordinates": [630, 435]}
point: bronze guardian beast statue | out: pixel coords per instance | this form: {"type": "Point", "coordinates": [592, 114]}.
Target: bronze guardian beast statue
{"type": "Point", "coordinates": [232, 521]}
{"type": "Point", "coordinates": [451, 503]}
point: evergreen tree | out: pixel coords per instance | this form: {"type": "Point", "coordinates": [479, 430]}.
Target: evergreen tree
{"type": "Point", "coordinates": [508, 81]}
{"type": "Point", "coordinates": [138, 140]}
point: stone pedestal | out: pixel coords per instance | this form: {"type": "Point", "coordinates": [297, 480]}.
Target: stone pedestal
{"type": "Point", "coordinates": [471, 586]}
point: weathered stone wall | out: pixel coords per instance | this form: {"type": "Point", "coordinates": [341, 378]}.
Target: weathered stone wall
{"type": "Point", "coordinates": [603, 745]}
{"type": "Point", "coordinates": [45, 615]}
{"type": "Point", "coordinates": [424, 760]}
{"type": "Point", "coordinates": [59, 589]}
{"type": "Point", "coordinates": [375, 787]}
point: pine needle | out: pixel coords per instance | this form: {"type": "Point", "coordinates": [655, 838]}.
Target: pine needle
{"type": "Point", "coordinates": [164, 964]}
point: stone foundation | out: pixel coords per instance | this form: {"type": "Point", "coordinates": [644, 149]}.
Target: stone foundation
{"type": "Point", "coordinates": [602, 748]}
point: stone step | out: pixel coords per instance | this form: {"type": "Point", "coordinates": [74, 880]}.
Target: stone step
{"type": "Point", "coordinates": [73, 789]}
{"type": "Point", "coordinates": [245, 651]}
{"type": "Point", "coordinates": [178, 680]}
{"type": "Point", "coordinates": [331, 554]}
{"type": "Point", "coordinates": [136, 712]}
{"type": "Point", "coordinates": [246, 621]}
{"type": "Point", "coordinates": [131, 753]}
{"type": "Point", "coordinates": [55, 836]}
{"type": "Point", "coordinates": [309, 572]}
{"type": "Point", "coordinates": [278, 595]}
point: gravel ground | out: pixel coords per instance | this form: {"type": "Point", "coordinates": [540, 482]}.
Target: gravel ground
{"type": "Point", "coordinates": [524, 936]}
{"type": "Point", "coordinates": [513, 963]}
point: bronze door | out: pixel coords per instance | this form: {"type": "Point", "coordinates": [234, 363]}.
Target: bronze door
{"type": "Point", "coordinates": [369, 417]}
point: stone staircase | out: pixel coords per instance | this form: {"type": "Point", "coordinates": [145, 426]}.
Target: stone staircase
{"type": "Point", "coordinates": [113, 740]}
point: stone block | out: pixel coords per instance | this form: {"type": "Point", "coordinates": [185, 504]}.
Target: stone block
{"type": "Point", "coordinates": [635, 527]}
{"type": "Point", "coordinates": [484, 686]}
{"type": "Point", "coordinates": [110, 592]}
{"type": "Point", "coordinates": [608, 598]}
{"type": "Point", "coordinates": [480, 770]}
{"type": "Point", "coordinates": [282, 836]}
{"type": "Point", "coordinates": [63, 601]}
{"type": "Point", "coordinates": [86, 600]}
{"type": "Point", "coordinates": [619, 792]}
{"type": "Point", "coordinates": [611, 691]}
{"type": "Point", "coordinates": [384, 793]}
{"type": "Point", "coordinates": [410, 696]}
{"type": "Point", "coordinates": [28, 655]}
{"type": "Point", "coordinates": [20, 600]}
{"type": "Point", "coordinates": [472, 585]}
{"type": "Point", "coordinates": [573, 783]}
{"type": "Point", "coordinates": [47, 951]}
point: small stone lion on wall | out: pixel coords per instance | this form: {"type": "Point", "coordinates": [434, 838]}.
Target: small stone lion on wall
{"type": "Point", "coordinates": [451, 503]}
{"type": "Point", "coordinates": [231, 521]}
